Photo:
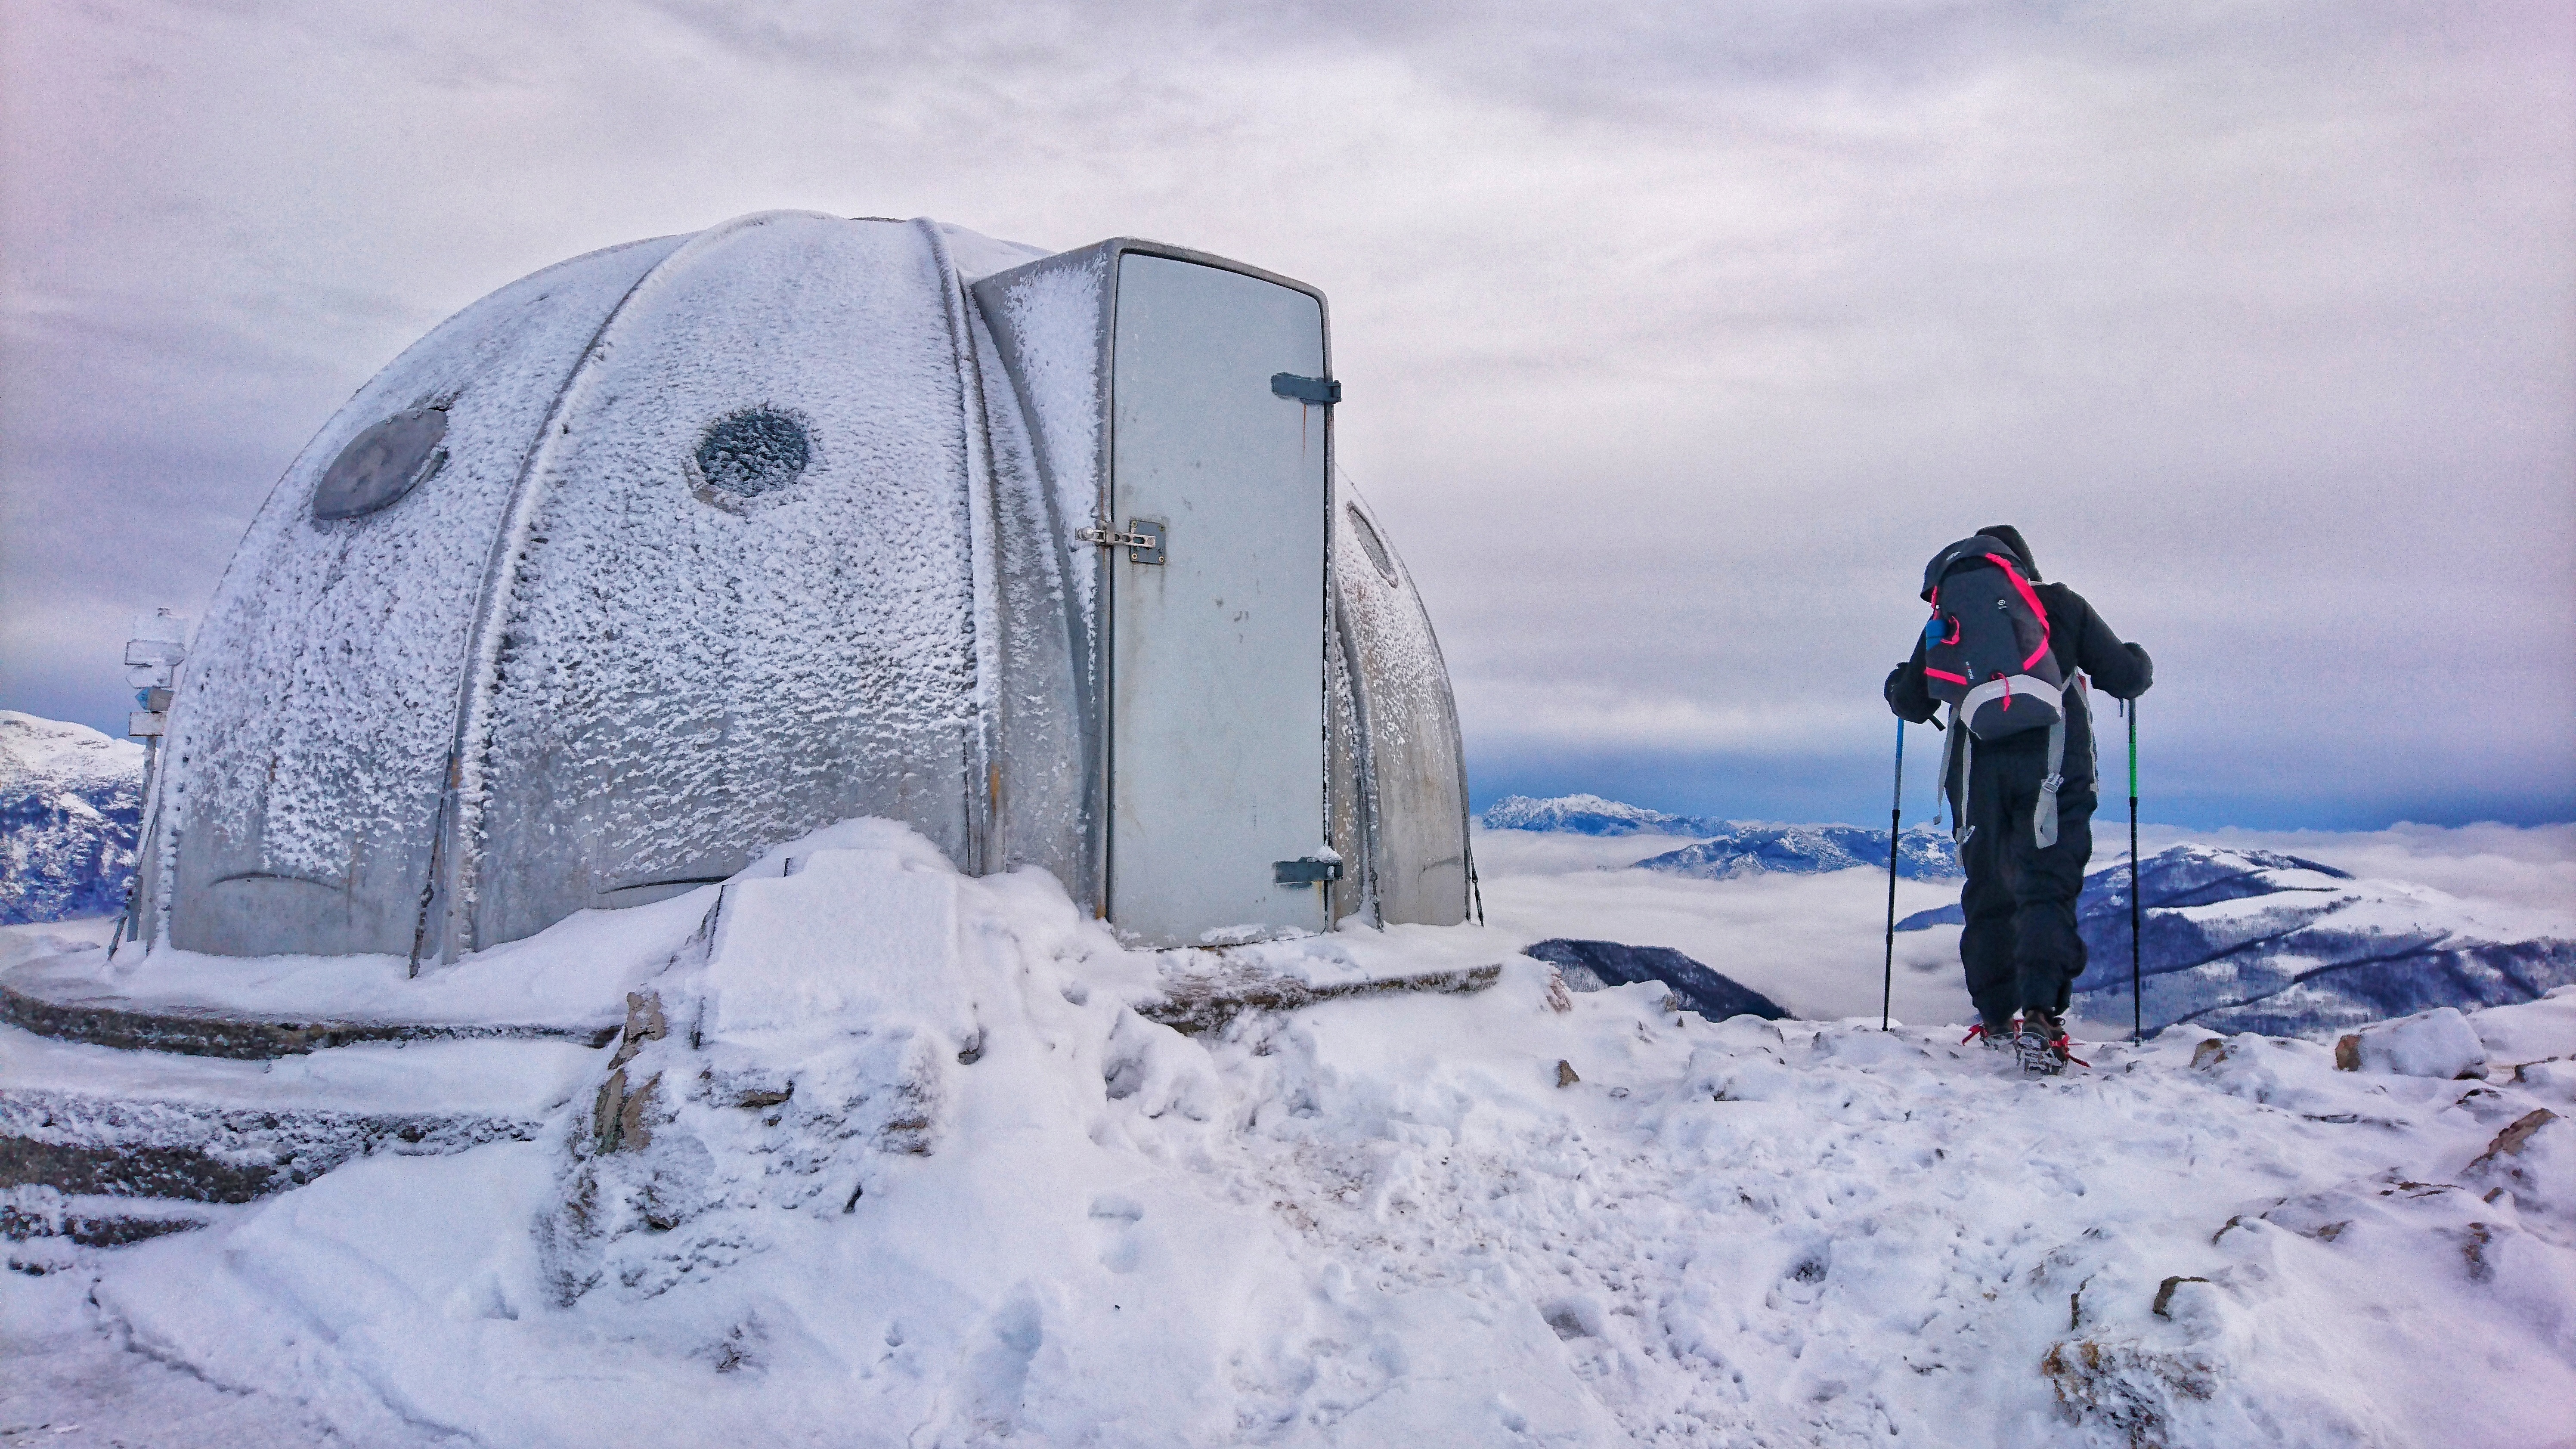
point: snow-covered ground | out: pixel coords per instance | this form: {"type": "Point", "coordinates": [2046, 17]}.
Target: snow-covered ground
{"type": "Point", "coordinates": [911, 1171]}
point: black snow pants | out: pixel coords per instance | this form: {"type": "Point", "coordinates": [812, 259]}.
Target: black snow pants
{"type": "Point", "coordinates": [2020, 946]}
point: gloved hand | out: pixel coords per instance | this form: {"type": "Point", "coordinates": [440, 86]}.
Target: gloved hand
{"type": "Point", "coordinates": [1906, 697]}
{"type": "Point", "coordinates": [2146, 668]}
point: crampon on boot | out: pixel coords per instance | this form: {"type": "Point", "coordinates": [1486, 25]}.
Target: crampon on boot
{"type": "Point", "coordinates": [2042, 1046]}
{"type": "Point", "coordinates": [1997, 1039]}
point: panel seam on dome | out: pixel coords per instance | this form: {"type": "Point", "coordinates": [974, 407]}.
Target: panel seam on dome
{"type": "Point", "coordinates": [462, 810]}
{"type": "Point", "coordinates": [982, 781]}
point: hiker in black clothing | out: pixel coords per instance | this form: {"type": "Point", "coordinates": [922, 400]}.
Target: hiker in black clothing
{"type": "Point", "coordinates": [2020, 945]}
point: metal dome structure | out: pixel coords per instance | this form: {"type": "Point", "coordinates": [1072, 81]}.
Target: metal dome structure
{"type": "Point", "coordinates": [667, 554]}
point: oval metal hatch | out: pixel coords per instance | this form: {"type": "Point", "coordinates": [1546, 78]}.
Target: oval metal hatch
{"type": "Point", "coordinates": [382, 464]}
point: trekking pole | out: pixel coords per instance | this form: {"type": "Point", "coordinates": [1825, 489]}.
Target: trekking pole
{"type": "Point", "coordinates": [1895, 814]}
{"type": "Point", "coordinates": [2137, 983]}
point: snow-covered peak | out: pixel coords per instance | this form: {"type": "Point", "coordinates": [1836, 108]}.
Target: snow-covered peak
{"type": "Point", "coordinates": [35, 750]}
{"type": "Point", "coordinates": [1581, 815]}
{"type": "Point", "coordinates": [1752, 847]}
{"type": "Point", "coordinates": [71, 800]}
{"type": "Point", "coordinates": [2255, 940]}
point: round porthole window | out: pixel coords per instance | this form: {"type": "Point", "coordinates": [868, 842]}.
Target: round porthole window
{"type": "Point", "coordinates": [1374, 547]}
{"type": "Point", "coordinates": [382, 464]}
{"type": "Point", "coordinates": [743, 456]}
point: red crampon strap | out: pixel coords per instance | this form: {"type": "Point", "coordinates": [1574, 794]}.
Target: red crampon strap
{"type": "Point", "coordinates": [2061, 1046]}
{"type": "Point", "coordinates": [1974, 1032]}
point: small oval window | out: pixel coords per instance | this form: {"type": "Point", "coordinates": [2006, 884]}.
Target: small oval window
{"type": "Point", "coordinates": [1374, 547]}
{"type": "Point", "coordinates": [752, 452]}
{"type": "Point", "coordinates": [382, 464]}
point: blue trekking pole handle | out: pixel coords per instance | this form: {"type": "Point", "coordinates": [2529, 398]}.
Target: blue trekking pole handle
{"type": "Point", "coordinates": [1895, 816]}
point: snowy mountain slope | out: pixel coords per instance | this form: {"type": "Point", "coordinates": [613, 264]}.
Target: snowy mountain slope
{"type": "Point", "coordinates": [1583, 815]}
{"type": "Point", "coordinates": [1370, 1222]}
{"type": "Point", "coordinates": [1740, 848]}
{"type": "Point", "coordinates": [71, 801]}
{"type": "Point", "coordinates": [2254, 940]}
{"type": "Point", "coordinates": [1731, 848]}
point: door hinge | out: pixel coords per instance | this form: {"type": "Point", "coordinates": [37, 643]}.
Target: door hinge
{"type": "Point", "coordinates": [1306, 389]}
{"type": "Point", "coordinates": [1143, 540]}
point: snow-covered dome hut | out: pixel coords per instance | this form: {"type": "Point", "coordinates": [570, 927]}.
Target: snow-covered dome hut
{"type": "Point", "coordinates": [678, 550]}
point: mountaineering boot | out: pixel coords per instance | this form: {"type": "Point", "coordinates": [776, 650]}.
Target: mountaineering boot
{"type": "Point", "coordinates": [1993, 1036]}
{"type": "Point", "coordinates": [2041, 1045]}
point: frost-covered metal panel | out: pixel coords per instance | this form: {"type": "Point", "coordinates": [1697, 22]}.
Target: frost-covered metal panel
{"type": "Point", "coordinates": [1050, 321]}
{"type": "Point", "coordinates": [1038, 709]}
{"type": "Point", "coordinates": [1346, 824]}
{"type": "Point", "coordinates": [1217, 646]}
{"type": "Point", "coordinates": [744, 603]}
{"type": "Point", "coordinates": [1049, 390]}
{"type": "Point", "coordinates": [1411, 764]}
{"type": "Point", "coordinates": [315, 718]}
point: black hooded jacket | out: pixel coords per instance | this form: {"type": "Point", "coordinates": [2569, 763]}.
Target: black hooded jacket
{"type": "Point", "coordinates": [2079, 640]}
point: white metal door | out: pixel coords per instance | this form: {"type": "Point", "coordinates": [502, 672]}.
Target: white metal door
{"type": "Point", "coordinates": [1217, 662]}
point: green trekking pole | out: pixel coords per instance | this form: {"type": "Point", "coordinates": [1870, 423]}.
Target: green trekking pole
{"type": "Point", "coordinates": [2137, 984]}
{"type": "Point", "coordinates": [1895, 814]}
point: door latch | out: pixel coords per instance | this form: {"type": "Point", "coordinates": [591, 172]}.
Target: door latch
{"type": "Point", "coordinates": [1143, 540]}
{"type": "Point", "coordinates": [1325, 390]}
{"type": "Point", "coordinates": [1311, 870]}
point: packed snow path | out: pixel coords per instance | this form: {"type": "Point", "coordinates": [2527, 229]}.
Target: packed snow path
{"type": "Point", "coordinates": [1385, 1221]}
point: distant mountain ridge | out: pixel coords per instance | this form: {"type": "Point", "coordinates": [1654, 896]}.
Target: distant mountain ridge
{"type": "Point", "coordinates": [2254, 940]}
{"type": "Point", "coordinates": [1741, 848]}
{"type": "Point", "coordinates": [1728, 849]}
{"type": "Point", "coordinates": [1583, 815]}
{"type": "Point", "coordinates": [71, 803]}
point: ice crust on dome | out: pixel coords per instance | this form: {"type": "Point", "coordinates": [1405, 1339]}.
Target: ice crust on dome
{"type": "Point", "coordinates": [663, 665]}
{"type": "Point", "coordinates": [1054, 315]}
{"type": "Point", "coordinates": [1407, 770]}
{"type": "Point", "coordinates": [317, 710]}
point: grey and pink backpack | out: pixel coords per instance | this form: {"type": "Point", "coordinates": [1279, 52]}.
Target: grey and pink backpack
{"type": "Point", "coordinates": [1986, 655]}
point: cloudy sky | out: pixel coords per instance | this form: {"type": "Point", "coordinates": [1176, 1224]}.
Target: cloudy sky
{"type": "Point", "coordinates": [1676, 336]}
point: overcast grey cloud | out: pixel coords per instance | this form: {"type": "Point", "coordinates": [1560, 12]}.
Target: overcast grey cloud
{"type": "Point", "coordinates": [1676, 337]}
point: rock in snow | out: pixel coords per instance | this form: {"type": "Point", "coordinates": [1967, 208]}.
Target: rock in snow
{"type": "Point", "coordinates": [1599, 965]}
{"type": "Point", "coordinates": [71, 800]}
{"type": "Point", "coordinates": [886, 1156]}
{"type": "Point", "coordinates": [2252, 940]}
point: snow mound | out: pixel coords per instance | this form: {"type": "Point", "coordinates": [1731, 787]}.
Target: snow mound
{"type": "Point", "coordinates": [2437, 1043]}
{"type": "Point", "coordinates": [885, 1156]}
{"type": "Point", "coordinates": [71, 801]}
{"type": "Point", "coordinates": [802, 1033]}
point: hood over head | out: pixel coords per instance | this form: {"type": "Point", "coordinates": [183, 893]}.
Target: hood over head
{"type": "Point", "coordinates": [1972, 549]}
{"type": "Point", "coordinates": [2012, 538]}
